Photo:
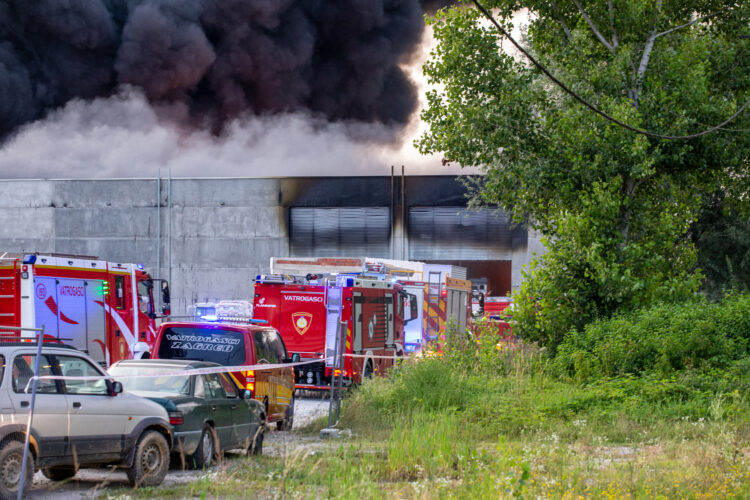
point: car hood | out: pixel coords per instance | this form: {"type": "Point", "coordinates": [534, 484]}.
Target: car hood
{"type": "Point", "coordinates": [143, 406]}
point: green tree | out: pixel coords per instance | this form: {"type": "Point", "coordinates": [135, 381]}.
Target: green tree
{"type": "Point", "coordinates": [614, 206]}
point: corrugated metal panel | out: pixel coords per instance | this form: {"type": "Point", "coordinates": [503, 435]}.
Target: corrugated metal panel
{"type": "Point", "coordinates": [455, 233]}
{"type": "Point", "coordinates": [458, 272]}
{"type": "Point", "coordinates": [333, 231]}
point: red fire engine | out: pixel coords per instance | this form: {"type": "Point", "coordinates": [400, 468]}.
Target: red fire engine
{"type": "Point", "coordinates": [366, 315]}
{"type": "Point", "coordinates": [103, 308]}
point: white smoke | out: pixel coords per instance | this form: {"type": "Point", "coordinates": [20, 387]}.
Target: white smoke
{"type": "Point", "coordinates": [123, 136]}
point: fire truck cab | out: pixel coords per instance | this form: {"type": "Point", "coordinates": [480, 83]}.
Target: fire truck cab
{"type": "Point", "coordinates": [365, 317]}
{"type": "Point", "coordinates": [105, 309]}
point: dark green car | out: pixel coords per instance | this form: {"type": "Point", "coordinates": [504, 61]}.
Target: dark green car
{"type": "Point", "coordinates": [209, 412]}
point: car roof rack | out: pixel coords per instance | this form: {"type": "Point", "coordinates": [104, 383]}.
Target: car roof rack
{"type": "Point", "coordinates": [15, 338]}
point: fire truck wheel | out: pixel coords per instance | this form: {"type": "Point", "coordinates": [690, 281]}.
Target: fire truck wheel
{"type": "Point", "coordinates": [288, 422]}
{"type": "Point", "coordinates": [206, 453]}
{"type": "Point", "coordinates": [151, 460]}
{"type": "Point", "coordinates": [11, 458]}
{"type": "Point", "coordinates": [60, 473]}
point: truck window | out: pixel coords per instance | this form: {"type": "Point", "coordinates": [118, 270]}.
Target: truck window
{"type": "Point", "coordinates": [264, 349]}
{"type": "Point", "coordinates": [2, 368]}
{"type": "Point", "coordinates": [277, 345]}
{"type": "Point", "coordinates": [145, 300]}
{"type": "Point", "coordinates": [120, 292]}
{"type": "Point", "coordinates": [225, 347]}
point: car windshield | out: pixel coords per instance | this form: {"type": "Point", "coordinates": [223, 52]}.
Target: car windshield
{"type": "Point", "coordinates": [225, 347]}
{"type": "Point", "coordinates": [173, 384]}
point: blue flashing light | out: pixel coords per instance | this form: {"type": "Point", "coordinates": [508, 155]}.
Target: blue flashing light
{"type": "Point", "coordinates": [29, 259]}
{"type": "Point", "coordinates": [139, 266]}
{"type": "Point", "coordinates": [259, 321]}
{"type": "Point", "coordinates": [350, 282]}
{"type": "Point", "coordinates": [210, 317]}
{"type": "Point", "coordinates": [257, 277]}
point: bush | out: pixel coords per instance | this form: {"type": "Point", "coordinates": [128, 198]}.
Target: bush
{"type": "Point", "coordinates": [662, 339]}
{"type": "Point", "coordinates": [592, 271]}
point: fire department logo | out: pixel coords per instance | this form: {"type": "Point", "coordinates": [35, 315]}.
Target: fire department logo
{"type": "Point", "coordinates": [41, 291]}
{"type": "Point", "coordinates": [302, 322]}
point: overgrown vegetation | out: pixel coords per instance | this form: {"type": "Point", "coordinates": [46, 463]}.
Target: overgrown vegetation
{"type": "Point", "coordinates": [652, 404]}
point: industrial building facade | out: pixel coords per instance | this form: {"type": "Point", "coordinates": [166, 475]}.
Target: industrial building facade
{"type": "Point", "coordinates": [211, 237]}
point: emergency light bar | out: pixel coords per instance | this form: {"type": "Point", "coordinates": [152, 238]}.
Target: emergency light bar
{"type": "Point", "coordinates": [233, 319]}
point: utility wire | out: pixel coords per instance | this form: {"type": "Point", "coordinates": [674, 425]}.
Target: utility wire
{"type": "Point", "coordinates": [593, 108]}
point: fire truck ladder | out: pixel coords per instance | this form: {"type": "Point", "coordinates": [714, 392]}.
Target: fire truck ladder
{"type": "Point", "coordinates": [433, 305]}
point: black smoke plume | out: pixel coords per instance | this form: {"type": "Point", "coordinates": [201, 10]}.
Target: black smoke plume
{"type": "Point", "coordinates": [214, 59]}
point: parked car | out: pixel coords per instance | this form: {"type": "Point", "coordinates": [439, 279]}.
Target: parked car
{"type": "Point", "coordinates": [77, 423]}
{"type": "Point", "coordinates": [236, 344]}
{"type": "Point", "coordinates": [209, 412]}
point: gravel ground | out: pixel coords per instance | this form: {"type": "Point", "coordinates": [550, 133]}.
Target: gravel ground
{"type": "Point", "coordinates": [92, 483]}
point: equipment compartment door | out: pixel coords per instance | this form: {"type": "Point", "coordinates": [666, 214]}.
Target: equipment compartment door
{"type": "Point", "coordinates": [45, 305]}
{"type": "Point", "coordinates": [333, 314]}
{"type": "Point", "coordinates": [96, 321]}
{"type": "Point", "coordinates": [71, 313]}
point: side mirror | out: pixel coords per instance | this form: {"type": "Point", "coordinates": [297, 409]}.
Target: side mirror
{"type": "Point", "coordinates": [115, 389]}
{"type": "Point", "coordinates": [246, 394]}
{"type": "Point", "coordinates": [165, 294]}
{"type": "Point", "coordinates": [413, 309]}
{"type": "Point", "coordinates": [295, 357]}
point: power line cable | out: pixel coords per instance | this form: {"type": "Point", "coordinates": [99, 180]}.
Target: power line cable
{"type": "Point", "coordinates": [593, 108]}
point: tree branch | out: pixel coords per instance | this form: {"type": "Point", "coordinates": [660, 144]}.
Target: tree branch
{"type": "Point", "coordinates": [612, 22]}
{"type": "Point", "coordinates": [654, 35]}
{"type": "Point", "coordinates": [561, 20]}
{"type": "Point", "coordinates": [670, 30]}
{"type": "Point", "coordinates": [593, 27]}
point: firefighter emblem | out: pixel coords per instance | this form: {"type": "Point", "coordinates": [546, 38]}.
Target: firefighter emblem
{"type": "Point", "coordinates": [301, 322]}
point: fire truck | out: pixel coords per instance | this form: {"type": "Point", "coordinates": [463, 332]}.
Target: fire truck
{"type": "Point", "coordinates": [366, 316]}
{"type": "Point", "coordinates": [441, 291]}
{"type": "Point", "coordinates": [105, 309]}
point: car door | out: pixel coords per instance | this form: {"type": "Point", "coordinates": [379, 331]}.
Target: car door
{"type": "Point", "coordinates": [283, 378]}
{"type": "Point", "coordinates": [265, 389]}
{"type": "Point", "coordinates": [240, 413]}
{"type": "Point", "coordinates": [221, 410]}
{"type": "Point", "coordinates": [97, 420]}
{"type": "Point", "coordinates": [51, 423]}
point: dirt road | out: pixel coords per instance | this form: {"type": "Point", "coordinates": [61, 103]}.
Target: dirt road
{"type": "Point", "coordinates": [92, 483]}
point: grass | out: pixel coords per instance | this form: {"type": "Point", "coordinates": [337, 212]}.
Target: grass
{"type": "Point", "coordinates": [483, 420]}
{"type": "Point", "coordinates": [520, 433]}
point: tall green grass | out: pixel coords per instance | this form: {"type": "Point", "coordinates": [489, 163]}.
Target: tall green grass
{"type": "Point", "coordinates": [609, 417]}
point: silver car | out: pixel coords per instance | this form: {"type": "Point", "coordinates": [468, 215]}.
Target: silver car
{"type": "Point", "coordinates": [77, 423]}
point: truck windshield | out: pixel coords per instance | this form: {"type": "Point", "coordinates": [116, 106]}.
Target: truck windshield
{"type": "Point", "coordinates": [226, 347]}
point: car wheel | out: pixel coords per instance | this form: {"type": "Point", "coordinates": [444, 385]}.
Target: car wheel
{"type": "Point", "coordinates": [207, 449]}
{"type": "Point", "coordinates": [288, 422]}
{"type": "Point", "coordinates": [256, 445]}
{"type": "Point", "coordinates": [60, 473]}
{"type": "Point", "coordinates": [11, 458]}
{"type": "Point", "coordinates": [151, 460]}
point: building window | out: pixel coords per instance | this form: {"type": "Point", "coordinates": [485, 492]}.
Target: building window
{"type": "Point", "coordinates": [335, 231]}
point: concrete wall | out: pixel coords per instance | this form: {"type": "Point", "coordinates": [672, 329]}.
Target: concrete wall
{"type": "Point", "coordinates": [224, 231]}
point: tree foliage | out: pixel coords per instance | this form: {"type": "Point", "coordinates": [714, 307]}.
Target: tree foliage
{"type": "Point", "coordinates": [613, 205]}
